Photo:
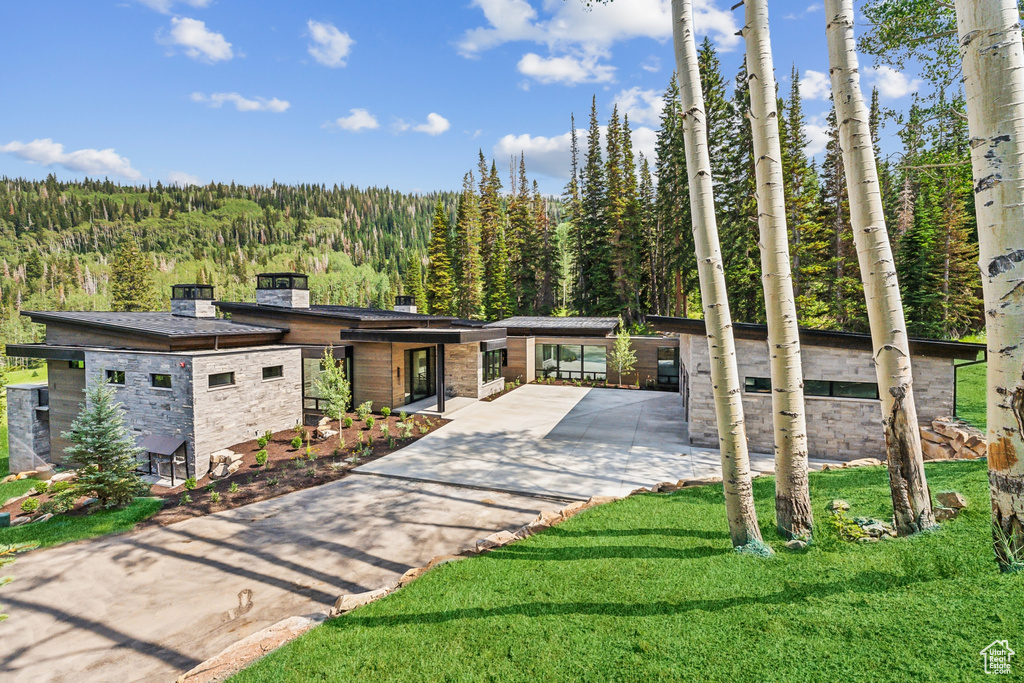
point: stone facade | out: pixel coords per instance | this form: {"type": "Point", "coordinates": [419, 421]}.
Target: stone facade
{"type": "Point", "coordinates": [286, 298]}
{"type": "Point", "coordinates": [837, 428]}
{"type": "Point", "coordinates": [193, 308]}
{"type": "Point", "coordinates": [225, 416]}
{"type": "Point", "coordinates": [464, 372]}
{"type": "Point", "coordinates": [207, 419]}
{"type": "Point", "coordinates": [28, 433]}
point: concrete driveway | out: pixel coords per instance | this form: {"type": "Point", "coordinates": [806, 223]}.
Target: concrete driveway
{"type": "Point", "coordinates": [149, 605]}
{"type": "Point", "coordinates": [568, 442]}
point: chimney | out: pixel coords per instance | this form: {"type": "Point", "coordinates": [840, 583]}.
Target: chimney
{"type": "Point", "coordinates": [284, 290]}
{"type": "Point", "coordinates": [193, 301]}
{"type": "Point", "coordinates": [405, 304]}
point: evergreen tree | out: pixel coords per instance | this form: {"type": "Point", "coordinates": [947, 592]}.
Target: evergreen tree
{"type": "Point", "coordinates": [467, 267]}
{"type": "Point", "coordinates": [103, 450]}
{"type": "Point", "coordinates": [491, 225]}
{"type": "Point", "coordinates": [131, 280]}
{"type": "Point", "coordinates": [672, 280]}
{"type": "Point", "coordinates": [498, 297]}
{"type": "Point", "coordinates": [412, 283]}
{"type": "Point", "coordinates": [732, 156]}
{"type": "Point", "coordinates": [809, 237]}
{"type": "Point", "coordinates": [440, 289]}
{"type": "Point", "coordinates": [548, 251]}
{"type": "Point", "coordinates": [522, 244]}
{"type": "Point", "coordinates": [574, 221]}
{"type": "Point", "coordinates": [595, 280]}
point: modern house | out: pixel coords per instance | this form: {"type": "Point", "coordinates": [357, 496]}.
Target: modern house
{"type": "Point", "coordinates": [193, 383]}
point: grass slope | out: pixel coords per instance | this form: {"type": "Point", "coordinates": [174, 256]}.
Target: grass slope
{"type": "Point", "coordinates": [64, 529]}
{"type": "Point", "coordinates": [648, 588]}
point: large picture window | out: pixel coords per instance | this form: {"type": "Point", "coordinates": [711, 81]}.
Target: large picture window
{"type": "Point", "coordinates": [492, 365]}
{"type": "Point", "coordinates": [817, 387]}
{"type": "Point", "coordinates": [571, 362]}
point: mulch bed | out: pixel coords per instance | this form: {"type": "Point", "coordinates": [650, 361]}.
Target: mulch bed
{"type": "Point", "coordinates": [509, 386]}
{"type": "Point", "coordinates": [288, 469]}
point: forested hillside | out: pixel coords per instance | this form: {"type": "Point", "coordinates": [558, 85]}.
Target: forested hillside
{"type": "Point", "coordinates": [57, 240]}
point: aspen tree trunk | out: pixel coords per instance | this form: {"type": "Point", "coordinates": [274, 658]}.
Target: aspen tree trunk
{"type": "Point", "coordinates": [792, 496]}
{"type": "Point", "coordinates": [732, 433]}
{"type": "Point", "coordinates": [910, 496]}
{"type": "Point", "coordinates": [993, 67]}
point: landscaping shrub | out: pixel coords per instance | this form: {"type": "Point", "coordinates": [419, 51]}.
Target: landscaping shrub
{"type": "Point", "coordinates": [363, 409]}
{"type": "Point", "coordinates": [40, 487]}
{"type": "Point", "coordinates": [214, 497]}
{"type": "Point", "coordinates": [261, 457]}
{"type": "Point", "coordinates": [190, 483]}
{"type": "Point", "coordinates": [30, 505]}
{"type": "Point", "coordinates": [347, 422]}
{"type": "Point", "coordinates": [370, 421]}
{"type": "Point", "coordinates": [385, 411]}
{"type": "Point", "coordinates": [297, 443]}
{"type": "Point", "coordinates": [185, 499]}
{"type": "Point", "coordinates": [60, 487]}
{"type": "Point", "coordinates": [263, 440]}
{"type": "Point", "coordinates": [272, 482]}
{"type": "Point", "coordinates": [233, 488]}
{"type": "Point", "coordinates": [384, 430]}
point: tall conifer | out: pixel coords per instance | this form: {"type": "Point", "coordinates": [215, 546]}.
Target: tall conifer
{"type": "Point", "coordinates": [440, 288]}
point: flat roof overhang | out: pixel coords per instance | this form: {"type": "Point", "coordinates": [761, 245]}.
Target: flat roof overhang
{"type": "Point", "coordinates": [831, 338]}
{"type": "Point", "coordinates": [426, 335]}
{"type": "Point", "coordinates": [44, 352]}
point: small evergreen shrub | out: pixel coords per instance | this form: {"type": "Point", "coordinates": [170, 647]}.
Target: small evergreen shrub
{"type": "Point", "coordinates": [60, 487]}
{"type": "Point", "coordinates": [30, 505]}
{"type": "Point", "coordinates": [262, 441]}
{"type": "Point", "coordinates": [347, 422]}
{"type": "Point", "coordinates": [40, 487]}
{"type": "Point", "coordinates": [370, 421]}
{"type": "Point", "coordinates": [190, 483]}
{"type": "Point", "coordinates": [261, 458]}
{"type": "Point", "coordinates": [297, 443]}
{"type": "Point", "coordinates": [385, 411]}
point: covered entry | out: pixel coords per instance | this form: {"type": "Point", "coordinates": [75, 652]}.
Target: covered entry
{"type": "Point", "coordinates": [164, 457]}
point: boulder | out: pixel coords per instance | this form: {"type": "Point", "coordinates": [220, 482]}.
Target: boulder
{"type": "Point", "coordinates": [943, 514]}
{"type": "Point", "coordinates": [9, 478]}
{"type": "Point", "coordinates": [248, 650]}
{"type": "Point", "coordinates": [219, 471]}
{"type": "Point", "coordinates": [947, 426]}
{"type": "Point", "coordinates": [42, 518]}
{"type": "Point", "coordinates": [594, 501]}
{"type": "Point", "coordinates": [235, 466]}
{"type": "Point", "coordinates": [412, 575]}
{"type": "Point", "coordinates": [951, 499]}
{"type": "Point", "coordinates": [928, 434]}
{"type": "Point", "coordinates": [347, 603]}
{"type": "Point", "coordinates": [15, 499]}
{"type": "Point", "coordinates": [864, 462]}
{"type": "Point", "coordinates": [572, 509]}
{"type": "Point", "coordinates": [796, 544]}
{"type": "Point", "coordinates": [703, 481]}
{"type": "Point", "coordinates": [44, 473]}
{"type": "Point", "coordinates": [225, 455]}
{"type": "Point", "coordinates": [837, 505]}
{"type": "Point", "coordinates": [444, 559]}
{"type": "Point", "coordinates": [545, 519]}
{"type": "Point", "coordinates": [936, 451]}
{"type": "Point", "coordinates": [18, 521]}
{"type": "Point", "coordinates": [495, 540]}
{"type": "Point", "coordinates": [664, 487]}
{"type": "Point", "coordinates": [640, 490]}
{"type": "Point", "coordinates": [64, 476]}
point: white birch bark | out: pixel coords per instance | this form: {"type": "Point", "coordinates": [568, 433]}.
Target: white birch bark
{"type": "Point", "coordinates": [910, 496]}
{"type": "Point", "coordinates": [732, 433]}
{"type": "Point", "coordinates": [993, 68]}
{"type": "Point", "coordinates": [792, 496]}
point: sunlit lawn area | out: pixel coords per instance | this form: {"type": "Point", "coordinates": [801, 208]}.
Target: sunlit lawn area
{"type": "Point", "coordinates": [65, 528]}
{"type": "Point", "coordinates": [648, 588]}
{"type": "Point", "coordinates": [970, 394]}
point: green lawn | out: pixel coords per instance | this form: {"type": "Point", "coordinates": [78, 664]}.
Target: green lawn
{"type": "Point", "coordinates": [648, 588]}
{"type": "Point", "coordinates": [63, 529]}
{"type": "Point", "coordinates": [15, 488]}
{"type": "Point", "coordinates": [970, 394]}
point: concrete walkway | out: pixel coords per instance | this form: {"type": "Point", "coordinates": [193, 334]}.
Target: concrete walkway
{"type": "Point", "coordinates": [568, 442]}
{"type": "Point", "coordinates": [150, 605]}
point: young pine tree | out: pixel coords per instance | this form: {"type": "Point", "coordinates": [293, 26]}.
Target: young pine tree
{"type": "Point", "coordinates": [467, 266]}
{"type": "Point", "coordinates": [412, 283]}
{"type": "Point", "coordinates": [103, 450]}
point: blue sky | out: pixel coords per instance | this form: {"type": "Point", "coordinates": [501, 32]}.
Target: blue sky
{"type": "Point", "coordinates": [380, 93]}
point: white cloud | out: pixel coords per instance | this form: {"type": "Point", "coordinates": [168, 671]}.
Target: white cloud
{"type": "Point", "coordinates": [182, 179]}
{"type": "Point", "coordinates": [567, 70]}
{"type": "Point", "coordinates": [551, 156]}
{"type": "Point", "coordinates": [642, 106]}
{"type": "Point", "coordinates": [816, 131]}
{"type": "Point", "coordinates": [165, 6]}
{"type": "Point", "coordinates": [577, 37]}
{"type": "Point", "coordinates": [358, 119]}
{"type": "Point", "coordinates": [891, 83]}
{"type": "Point", "coordinates": [95, 162]}
{"type": "Point", "coordinates": [199, 42]}
{"type": "Point", "coordinates": [217, 99]}
{"type": "Point", "coordinates": [435, 125]}
{"type": "Point", "coordinates": [815, 85]}
{"type": "Point", "coordinates": [811, 9]}
{"type": "Point", "coordinates": [652, 64]}
{"type": "Point", "coordinates": [330, 46]}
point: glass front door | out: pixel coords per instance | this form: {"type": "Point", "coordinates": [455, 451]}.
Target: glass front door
{"type": "Point", "coordinates": [420, 371]}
